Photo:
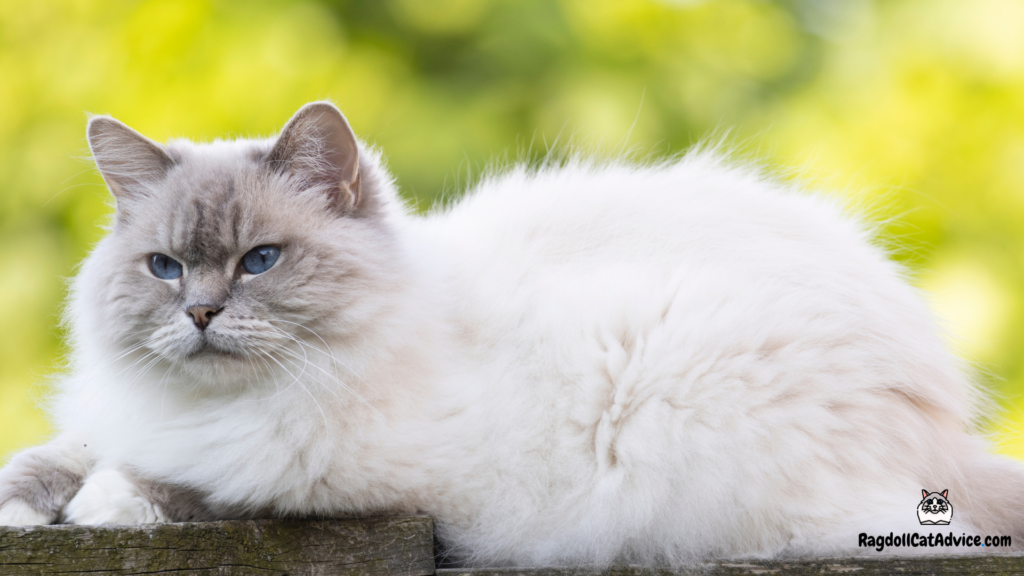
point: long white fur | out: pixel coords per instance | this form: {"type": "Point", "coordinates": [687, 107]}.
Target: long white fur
{"type": "Point", "coordinates": [108, 497]}
{"type": "Point", "coordinates": [585, 364]}
{"type": "Point", "coordinates": [19, 513]}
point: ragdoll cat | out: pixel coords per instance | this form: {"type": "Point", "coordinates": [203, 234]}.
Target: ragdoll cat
{"type": "Point", "coordinates": [576, 364]}
{"type": "Point", "coordinates": [934, 508]}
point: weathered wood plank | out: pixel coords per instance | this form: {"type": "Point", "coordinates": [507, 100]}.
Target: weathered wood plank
{"type": "Point", "coordinates": [962, 565]}
{"type": "Point", "coordinates": [401, 546]}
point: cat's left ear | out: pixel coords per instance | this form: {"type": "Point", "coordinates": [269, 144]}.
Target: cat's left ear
{"type": "Point", "coordinates": [319, 147]}
{"type": "Point", "coordinates": [944, 492]}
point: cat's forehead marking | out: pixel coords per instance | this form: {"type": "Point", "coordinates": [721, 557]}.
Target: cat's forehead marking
{"type": "Point", "coordinates": [207, 223]}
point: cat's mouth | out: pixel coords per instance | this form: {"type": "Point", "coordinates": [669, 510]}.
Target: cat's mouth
{"type": "Point", "coordinates": [217, 364]}
{"type": "Point", "coordinates": [210, 349]}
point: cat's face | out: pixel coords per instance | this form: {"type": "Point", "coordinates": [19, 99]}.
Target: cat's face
{"type": "Point", "coordinates": [934, 503]}
{"type": "Point", "coordinates": [226, 258]}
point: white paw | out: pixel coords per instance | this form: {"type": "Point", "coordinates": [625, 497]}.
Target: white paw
{"type": "Point", "coordinates": [17, 512]}
{"type": "Point", "coordinates": [107, 497]}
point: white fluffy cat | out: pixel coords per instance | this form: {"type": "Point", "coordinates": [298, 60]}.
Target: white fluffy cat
{"type": "Point", "coordinates": [576, 364]}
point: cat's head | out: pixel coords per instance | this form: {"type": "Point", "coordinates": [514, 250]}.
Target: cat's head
{"type": "Point", "coordinates": [934, 502]}
{"type": "Point", "coordinates": [223, 255]}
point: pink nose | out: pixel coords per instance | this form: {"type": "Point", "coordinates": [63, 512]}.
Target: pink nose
{"type": "Point", "coordinates": [201, 315]}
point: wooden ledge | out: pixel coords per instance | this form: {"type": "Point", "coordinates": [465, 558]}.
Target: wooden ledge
{"type": "Point", "coordinates": [366, 547]}
{"type": "Point", "coordinates": [974, 565]}
{"type": "Point", "coordinates": [402, 546]}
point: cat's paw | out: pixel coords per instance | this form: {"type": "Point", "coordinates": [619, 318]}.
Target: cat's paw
{"type": "Point", "coordinates": [108, 497]}
{"type": "Point", "coordinates": [17, 512]}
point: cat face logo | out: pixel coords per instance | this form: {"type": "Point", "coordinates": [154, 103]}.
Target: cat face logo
{"type": "Point", "coordinates": [934, 508]}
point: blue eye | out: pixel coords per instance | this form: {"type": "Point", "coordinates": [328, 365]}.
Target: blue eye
{"type": "Point", "coordinates": [165, 267]}
{"type": "Point", "coordinates": [260, 259]}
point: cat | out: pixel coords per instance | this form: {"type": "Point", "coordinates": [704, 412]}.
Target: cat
{"type": "Point", "coordinates": [934, 508]}
{"type": "Point", "coordinates": [578, 363]}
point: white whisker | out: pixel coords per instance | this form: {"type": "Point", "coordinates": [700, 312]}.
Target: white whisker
{"type": "Point", "coordinates": [330, 351]}
{"type": "Point", "coordinates": [297, 381]}
{"type": "Point", "coordinates": [333, 377]}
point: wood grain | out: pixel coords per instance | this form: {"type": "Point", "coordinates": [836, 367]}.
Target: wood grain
{"type": "Point", "coordinates": [968, 565]}
{"type": "Point", "coordinates": [366, 547]}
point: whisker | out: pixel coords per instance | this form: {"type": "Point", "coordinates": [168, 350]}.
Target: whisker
{"type": "Point", "coordinates": [269, 354]}
{"type": "Point", "coordinates": [270, 371]}
{"type": "Point", "coordinates": [330, 351]}
{"type": "Point", "coordinates": [252, 366]}
{"type": "Point", "coordinates": [296, 381]}
{"type": "Point", "coordinates": [329, 375]}
{"type": "Point", "coordinates": [129, 350]}
{"type": "Point", "coordinates": [93, 371]}
{"type": "Point", "coordinates": [293, 355]}
{"type": "Point", "coordinates": [130, 366]}
{"type": "Point", "coordinates": [163, 395]}
{"type": "Point", "coordinates": [282, 348]}
{"type": "Point", "coordinates": [142, 371]}
{"type": "Point", "coordinates": [151, 356]}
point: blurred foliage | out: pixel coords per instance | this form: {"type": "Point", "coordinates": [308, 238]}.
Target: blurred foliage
{"type": "Point", "coordinates": [914, 106]}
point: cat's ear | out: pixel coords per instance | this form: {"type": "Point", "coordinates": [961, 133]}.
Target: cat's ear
{"type": "Point", "coordinates": [319, 147]}
{"type": "Point", "coordinates": [924, 493]}
{"type": "Point", "coordinates": [128, 160]}
{"type": "Point", "coordinates": [944, 492]}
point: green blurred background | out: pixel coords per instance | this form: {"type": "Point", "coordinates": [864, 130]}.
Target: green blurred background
{"type": "Point", "coordinates": [915, 106]}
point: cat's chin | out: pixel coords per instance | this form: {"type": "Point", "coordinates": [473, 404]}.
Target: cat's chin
{"type": "Point", "coordinates": [218, 367]}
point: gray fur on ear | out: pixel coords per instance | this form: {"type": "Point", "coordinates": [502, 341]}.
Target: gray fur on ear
{"type": "Point", "coordinates": [318, 146]}
{"type": "Point", "coordinates": [127, 160]}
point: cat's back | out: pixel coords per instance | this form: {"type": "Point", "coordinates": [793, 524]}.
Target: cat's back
{"type": "Point", "coordinates": [709, 257]}
{"type": "Point", "coordinates": [615, 223]}
{"type": "Point", "coordinates": [698, 206]}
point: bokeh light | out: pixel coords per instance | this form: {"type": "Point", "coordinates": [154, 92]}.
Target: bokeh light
{"type": "Point", "coordinates": [913, 107]}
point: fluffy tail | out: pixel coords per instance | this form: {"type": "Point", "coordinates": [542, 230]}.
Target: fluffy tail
{"type": "Point", "coordinates": [992, 497]}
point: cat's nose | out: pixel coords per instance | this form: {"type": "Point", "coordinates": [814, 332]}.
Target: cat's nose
{"type": "Point", "coordinates": [202, 314]}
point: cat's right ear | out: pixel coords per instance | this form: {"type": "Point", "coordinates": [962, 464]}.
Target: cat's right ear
{"type": "Point", "coordinates": [924, 493]}
{"type": "Point", "coordinates": [319, 147]}
{"type": "Point", "coordinates": [128, 161]}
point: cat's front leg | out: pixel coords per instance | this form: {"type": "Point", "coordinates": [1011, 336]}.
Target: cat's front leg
{"type": "Point", "coordinates": [110, 497]}
{"type": "Point", "coordinates": [37, 483]}
{"type": "Point", "coordinates": [115, 496]}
